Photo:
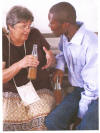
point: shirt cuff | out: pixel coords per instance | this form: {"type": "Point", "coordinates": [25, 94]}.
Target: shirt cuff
{"type": "Point", "coordinates": [60, 65]}
{"type": "Point", "coordinates": [83, 104]}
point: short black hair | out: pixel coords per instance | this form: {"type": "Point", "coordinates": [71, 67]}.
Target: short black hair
{"type": "Point", "coordinates": [64, 12]}
{"type": "Point", "coordinates": [18, 14]}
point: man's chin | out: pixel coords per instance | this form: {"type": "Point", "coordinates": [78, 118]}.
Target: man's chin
{"type": "Point", "coordinates": [56, 34]}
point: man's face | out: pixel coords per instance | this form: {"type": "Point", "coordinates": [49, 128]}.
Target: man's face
{"type": "Point", "coordinates": [56, 27]}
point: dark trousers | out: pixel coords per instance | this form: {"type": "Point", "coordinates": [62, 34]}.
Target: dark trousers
{"type": "Point", "coordinates": [66, 112]}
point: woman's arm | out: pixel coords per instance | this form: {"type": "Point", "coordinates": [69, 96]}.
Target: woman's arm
{"type": "Point", "coordinates": [27, 61]}
{"type": "Point", "coordinates": [9, 73]}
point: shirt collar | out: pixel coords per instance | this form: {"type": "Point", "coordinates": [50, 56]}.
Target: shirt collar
{"type": "Point", "coordinates": [78, 36]}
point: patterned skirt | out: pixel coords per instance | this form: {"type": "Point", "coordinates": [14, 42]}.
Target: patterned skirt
{"type": "Point", "coordinates": [17, 117]}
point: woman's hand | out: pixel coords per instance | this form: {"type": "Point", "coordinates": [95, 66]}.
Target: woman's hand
{"type": "Point", "coordinates": [28, 61]}
{"type": "Point", "coordinates": [49, 57]}
{"type": "Point", "coordinates": [58, 73]}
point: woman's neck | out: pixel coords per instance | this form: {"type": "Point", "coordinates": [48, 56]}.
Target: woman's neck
{"type": "Point", "coordinates": [15, 41]}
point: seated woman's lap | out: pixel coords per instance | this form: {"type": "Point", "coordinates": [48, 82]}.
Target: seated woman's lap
{"type": "Point", "coordinates": [17, 117]}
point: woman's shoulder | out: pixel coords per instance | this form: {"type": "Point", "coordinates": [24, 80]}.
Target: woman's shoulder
{"type": "Point", "coordinates": [5, 40]}
{"type": "Point", "coordinates": [4, 33]}
{"type": "Point", "coordinates": [35, 35]}
{"type": "Point", "coordinates": [34, 31]}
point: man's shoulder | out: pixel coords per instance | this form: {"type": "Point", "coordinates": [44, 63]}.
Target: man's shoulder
{"type": "Point", "coordinates": [91, 37]}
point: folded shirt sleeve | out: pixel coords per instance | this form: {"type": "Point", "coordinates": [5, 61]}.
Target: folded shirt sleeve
{"type": "Point", "coordinates": [90, 78]}
{"type": "Point", "coordinates": [60, 61]}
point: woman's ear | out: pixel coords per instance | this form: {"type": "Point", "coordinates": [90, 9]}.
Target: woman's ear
{"type": "Point", "coordinates": [10, 28]}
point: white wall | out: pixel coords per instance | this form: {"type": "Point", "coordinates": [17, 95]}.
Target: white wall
{"type": "Point", "coordinates": [86, 11]}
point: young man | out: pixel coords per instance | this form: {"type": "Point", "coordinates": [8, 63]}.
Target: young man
{"type": "Point", "coordinates": [79, 50]}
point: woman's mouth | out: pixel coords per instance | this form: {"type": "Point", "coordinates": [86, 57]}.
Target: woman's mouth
{"type": "Point", "coordinates": [25, 35]}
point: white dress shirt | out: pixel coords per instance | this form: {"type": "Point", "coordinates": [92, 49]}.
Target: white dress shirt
{"type": "Point", "coordinates": [81, 56]}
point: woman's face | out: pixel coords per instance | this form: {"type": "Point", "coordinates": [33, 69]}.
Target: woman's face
{"type": "Point", "coordinates": [20, 31]}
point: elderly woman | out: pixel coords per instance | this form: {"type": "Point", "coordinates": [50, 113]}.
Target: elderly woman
{"type": "Point", "coordinates": [17, 58]}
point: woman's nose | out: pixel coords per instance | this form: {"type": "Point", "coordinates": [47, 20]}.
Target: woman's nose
{"type": "Point", "coordinates": [27, 29]}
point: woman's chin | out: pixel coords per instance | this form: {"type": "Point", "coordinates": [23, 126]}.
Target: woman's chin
{"type": "Point", "coordinates": [25, 38]}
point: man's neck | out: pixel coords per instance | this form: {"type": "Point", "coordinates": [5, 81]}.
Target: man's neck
{"type": "Point", "coordinates": [71, 31]}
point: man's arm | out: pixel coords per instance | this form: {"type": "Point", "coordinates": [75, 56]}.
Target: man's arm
{"type": "Point", "coordinates": [90, 77]}
{"type": "Point", "coordinates": [60, 62]}
{"type": "Point", "coordinates": [60, 67]}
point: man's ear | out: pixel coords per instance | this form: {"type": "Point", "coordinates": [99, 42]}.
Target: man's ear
{"type": "Point", "coordinates": [65, 25]}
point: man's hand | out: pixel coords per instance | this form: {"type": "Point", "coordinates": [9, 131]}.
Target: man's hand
{"type": "Point", "coordinates": [49, 57]}
{"type": "Point", "coordinates": [58, 73]}
{"type": "Point", "coordinates": [76, 123]}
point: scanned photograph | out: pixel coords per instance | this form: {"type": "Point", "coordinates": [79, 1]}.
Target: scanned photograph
{"type": "Point", "coordinates": [50, 65]}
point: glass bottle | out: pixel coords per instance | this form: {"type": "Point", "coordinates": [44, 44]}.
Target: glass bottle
{"type": "Point", "coordinates": [58, 92]}
{"type": "Point", "coordinates": [32, 73]}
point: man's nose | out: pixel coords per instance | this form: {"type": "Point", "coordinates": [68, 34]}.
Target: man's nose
{"type": "Point", "coordinates": [49, 25]}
